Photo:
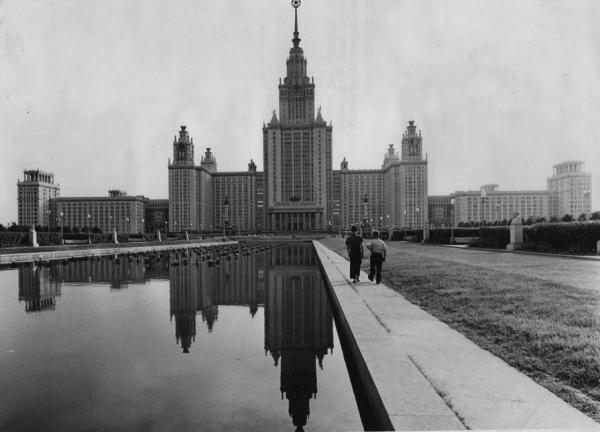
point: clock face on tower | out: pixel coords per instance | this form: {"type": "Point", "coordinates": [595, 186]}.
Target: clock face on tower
{"type": "Point", "coordinates": [296, 3]}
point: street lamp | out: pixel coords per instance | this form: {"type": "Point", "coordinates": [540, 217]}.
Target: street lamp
{"type": "Point", "coordinates": [128, 225]}
{"type": "Point", "coordinates": [417, 217]}
{"type": "Point", "coordinates": [483, 196]}
{"type": "Point", "coordinates": [62, 227]}
{"type": "Point", "coordinates": [225, 214]}
{"type": "Point", "coordinates": [143, 230]}
{"type": "Point", "coordinates": [88, 230]}
{"type": "Point", "coordinates": [586, 199]}
{"type": "Point", "coordinates": [452, 221]}
{"type": "Point", "coordinates": [404, 226]}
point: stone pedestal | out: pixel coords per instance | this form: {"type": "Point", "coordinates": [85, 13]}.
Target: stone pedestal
{"type": "Point", "coordinates": [33, 237]}
{"type": "Point", "coordinates": [115, 239]}
{"type": "Point", "coordinates": [426, 234]}
{"type": "Point", "coordinates": [516, 234]}
{"type": "Point", "coordinates": [158, 237]}
{"type": "Point", "coordinates": [187, 236]}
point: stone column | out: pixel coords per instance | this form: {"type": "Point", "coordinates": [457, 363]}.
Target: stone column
{"type": "Point", "coordinates": [115, 239]}
{"type": "Point", "coordinates": [598, 247]}
{"type": "Point", "coordinates": [426, 233]}
{"type": "Point", "coordinates": [158, 236]}
{"type": "Point", "coordinates": [33, 237]}
{"type": "Point", "coordinates": [516, 233]}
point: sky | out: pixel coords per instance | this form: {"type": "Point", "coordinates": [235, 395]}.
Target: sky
{"type": "Point", "coordinates": [95, 90]}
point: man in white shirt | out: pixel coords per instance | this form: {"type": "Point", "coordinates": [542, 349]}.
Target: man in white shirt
{"type": "Point", "coordinates": [378, 253]}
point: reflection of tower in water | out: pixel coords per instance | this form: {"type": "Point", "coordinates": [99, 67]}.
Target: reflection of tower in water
{"type": "Point", "coordinates": [298, 324]}
{"type": "Point", "coordinates": [36, 289]}
{"type": "Point", "coordinates": [200, 289]}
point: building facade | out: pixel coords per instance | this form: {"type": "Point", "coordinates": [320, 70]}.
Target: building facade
{"type": "Point", "coordinates": [297, 153]}
{"type": "Point", "coordinates": [571, 189]}
{"type": "Point", "coordinates": [117, 211]}
{"type": "Point", "coordinates": [490, 204]}
{"type": "Point", "coordinates": [298, 189]}
{"type": "Point", "coordinates": [33, 195]}
{"type": "Point", "coordinates": [156, 214]}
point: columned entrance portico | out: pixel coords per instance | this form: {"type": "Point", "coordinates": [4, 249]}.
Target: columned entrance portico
{"type": "Point", "coordinates": [289, 221]}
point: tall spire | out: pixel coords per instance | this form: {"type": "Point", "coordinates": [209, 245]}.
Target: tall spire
{"type": "Point", "coordinates": [296, 5]}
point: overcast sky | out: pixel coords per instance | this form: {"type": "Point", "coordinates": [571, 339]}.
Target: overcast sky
{"type": "Point", "coordinates": [95, 90]}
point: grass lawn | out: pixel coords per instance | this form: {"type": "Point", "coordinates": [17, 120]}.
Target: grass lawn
{"type": "Point", "coordinates": [550, 332]}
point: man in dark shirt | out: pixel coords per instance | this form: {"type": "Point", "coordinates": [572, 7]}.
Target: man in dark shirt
{"type": "Point", "coordinates": [355, 254]}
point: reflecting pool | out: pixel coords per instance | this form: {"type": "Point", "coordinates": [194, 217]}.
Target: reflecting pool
{"type": "Point", "coordinates": [168, 342]}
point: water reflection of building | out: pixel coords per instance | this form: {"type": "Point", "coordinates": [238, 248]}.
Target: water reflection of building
{"type": "Point", "coordinates": [36, 289]}
{"type": "Point", "coordinates": [298, 324]}
{"type": "Point", "coordinates": [105, 270]}
{"type": "Point", "coordinates": [199, 289]}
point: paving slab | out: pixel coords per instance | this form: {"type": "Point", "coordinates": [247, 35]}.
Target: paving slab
{"type": "Point", "coordinates": [429, 376]}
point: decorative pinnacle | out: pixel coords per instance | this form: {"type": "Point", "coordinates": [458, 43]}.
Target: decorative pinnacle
{"type": "Point", "coordinates": [296, 5]}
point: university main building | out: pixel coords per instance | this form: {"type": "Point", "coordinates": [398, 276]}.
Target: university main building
{"type": "Point", "coordinates": [298, 189]}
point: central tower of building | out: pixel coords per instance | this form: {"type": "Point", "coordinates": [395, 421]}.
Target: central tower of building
{"type": "Point", "coordinates": [297, 152]}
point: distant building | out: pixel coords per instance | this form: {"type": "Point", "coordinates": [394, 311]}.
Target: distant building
{"type": "Point", "coordinates": [571, 187]}
{"type": "Point", "coordinates": [441, 210]}
{"type": "Point", "coordinates": [156, 214]}
{"type": "Point", "coordinates": [33, 195]}
{"type": "Point", "coordinates": [490, 204]}
{"type": "Point", "coordinates": [117, 211]}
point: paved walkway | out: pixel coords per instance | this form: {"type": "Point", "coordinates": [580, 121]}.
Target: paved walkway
{"type": "Point", "coordinates": [567, 271]}
{"type": "Point", "coordinates": [430, 377]}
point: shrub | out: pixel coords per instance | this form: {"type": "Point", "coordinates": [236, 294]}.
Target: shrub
{"type": "Point", "coordinates": [573, 237]}
{"type": "Point", "coordinates": [494, 237]}
{"type": "Point", "coordinates": [440, 235]}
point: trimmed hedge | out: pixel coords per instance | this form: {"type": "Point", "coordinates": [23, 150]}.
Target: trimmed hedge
{"type": "Point", "coordinates": [497, 237]}
{"type": "Point", "coordinates": [569, 237]}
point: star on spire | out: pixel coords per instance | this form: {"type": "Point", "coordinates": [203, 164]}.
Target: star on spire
{"type": "Point", "coordinates": [296, 5]}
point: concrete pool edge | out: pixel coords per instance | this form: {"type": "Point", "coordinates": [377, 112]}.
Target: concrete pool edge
{"type": "Point", "coordinates": [428, 376]}
{"type": "Point", "coordinates": [32, 256]}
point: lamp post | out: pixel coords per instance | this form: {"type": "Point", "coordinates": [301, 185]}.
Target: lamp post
{"type": "Point", "coordinates": [62, 227]}
{"type": "Point", "coordinates": [483, 196]}
{"type": "Point", "coordinates": [143, 228]}
{"type": "Point", "coordinates": [417, 217]}
{"type": "Point", "coordinates": [404, 226]}
{"type": "Point", "coordinates": [225, 214]}
{"type": "Point", "coordinates": [586, 199]}
{"type": "Point", "coordinates": [452, 221]}
{"type": "Point", "coordinates": [88, 229]}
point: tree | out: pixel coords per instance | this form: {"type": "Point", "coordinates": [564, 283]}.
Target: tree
{"type": "Point", "coordinates": [567, 218]}
{"type": "Point", "coordinates": [96, 230]}
{"type": "Point", "coordinates": [76, 230]}
{"type": "Point", "coordinates": [582, 217]}
{"type": "Point", "coordinates": [530, 220]}
{"type": "Point", "coordinates": [553, 219]}
{"type": "Point", "coordinates": [540, 220]}
{"type": "Point", "coordinates": [595, 215]}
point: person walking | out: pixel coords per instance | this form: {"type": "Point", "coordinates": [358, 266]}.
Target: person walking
{"type": "Point", "coordinates": [378, 252]}
{"type": "Point", "coordinates": [355, 253]}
